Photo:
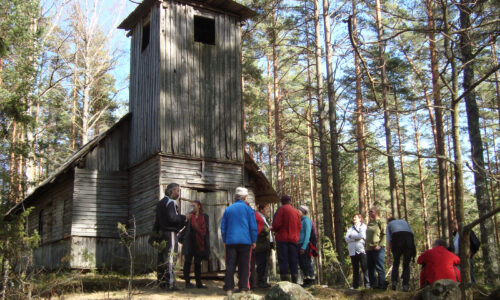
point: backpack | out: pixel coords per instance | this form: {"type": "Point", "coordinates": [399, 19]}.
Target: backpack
{"type": "Point", "coordinates": [313, 241]}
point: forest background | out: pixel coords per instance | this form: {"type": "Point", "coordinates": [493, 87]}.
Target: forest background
{"type": "Point", "coordinates": [348, 104]}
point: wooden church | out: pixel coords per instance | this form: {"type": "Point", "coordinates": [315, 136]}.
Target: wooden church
{"type": "Point", "coordinates": [185, 125]}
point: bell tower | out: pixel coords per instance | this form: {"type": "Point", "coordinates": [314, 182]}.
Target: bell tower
{"type": "Point", "coordinates": [185, 79]}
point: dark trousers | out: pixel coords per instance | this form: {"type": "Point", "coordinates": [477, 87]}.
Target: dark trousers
{"type": "Point", "coordinates": [167, 259]}
{"type": "Point", "coordinates": [288, 258]}
{"type": "Point", "coordinates": [402, 245]}
{"type": "Point", "coordinates": [253, 271]}
{"type": "Point", "coordinates": [238, 255]}
{"type": "Point", "coordinates": [197, 268]}
{"type": "Point", "coordinates": [262, 260]}
{"type": "Point", "coordinates": [376, 264]}
{"type": "Point", "coordinates": [305, 264]}
{"type": "Point", "coordinates": [359, 260]}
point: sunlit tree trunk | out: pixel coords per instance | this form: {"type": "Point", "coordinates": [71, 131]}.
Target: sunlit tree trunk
{"type": "Point", "coordinates": [403, 175]}
{"type": "Point", "coordinates": [427, 241]}
{"type": "Point", "coordinates": [270, 145]}
{"type": "Point", "coordinates": [280, 159]}
{"type": "Point", "coordinates": [489, 248]}
{"type": "Point", "coordinates": [325, 193]}
{"type": "Point", "coordinates": [387, 121]}
{"type": "Point", "coordinates": [332, 104]}
{"type": "Point", "coordinates": [360, 126]}
{"type": "Point", "coordinates": [440, 150]}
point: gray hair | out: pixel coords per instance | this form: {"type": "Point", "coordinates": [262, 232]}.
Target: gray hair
{"type": "Point", "coordinates": [170, 188]}
{"type": "Point", "coordinates": [439, 242]}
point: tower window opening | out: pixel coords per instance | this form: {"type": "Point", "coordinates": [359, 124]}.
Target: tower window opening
{"type": "Point", "coordinates": [204, 30]}
{"type": "Point", "coordinates": [145, 35]}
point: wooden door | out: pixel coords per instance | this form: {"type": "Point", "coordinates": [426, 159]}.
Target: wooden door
{"type": "Point", "coordinates": [214, 203]}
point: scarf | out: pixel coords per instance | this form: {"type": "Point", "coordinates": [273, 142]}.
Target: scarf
{"type": "Point", "coordinates": [200, 227]}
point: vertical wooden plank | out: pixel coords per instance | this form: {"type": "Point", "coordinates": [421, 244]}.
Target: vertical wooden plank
{"type": "Point", "coordinates": [211, 101]}
{"type": "Point", "coordinates": [164, 80]}
{"type": "Point", "coordinates": [235, 78]}
{"type": "Point", "coordinates": [231, 136]}
{"type": "Point", "coordinates": [219, 67]}
{"type": "Point", "coordinates": [169, 66]}
{"type": "Point", "coordinates": [175, 77]}
{"type": "Point", "coordinates": [238, 97]}
{"type": "Point", "coordinates": [183, 100]}
{"type": "Point", "coordinates": [192, 137]}
{"type": "Point", "coordinates": [195, 92]}
{"type": "Point", "coordinates": [226, 74]}
{"type": "Point", "coordinates": [203, 111]}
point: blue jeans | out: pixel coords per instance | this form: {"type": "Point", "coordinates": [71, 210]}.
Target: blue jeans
{"type": "Point", "coordinates": [376, 267]}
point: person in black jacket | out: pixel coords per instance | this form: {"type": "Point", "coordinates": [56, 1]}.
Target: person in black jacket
{"type": "Point", "coordinates": [473, 246]}
{"type": "Point", "coordinates": [168, 222]}
{"type": "Point", "coordinates": [195, 241]}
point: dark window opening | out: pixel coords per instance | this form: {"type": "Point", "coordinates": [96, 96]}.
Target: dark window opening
{"type": "Point", "coordinates": [40, 225]}
{"type": "Point", "coordinates": [204, 30]}
{"type": "Point", "coordinates": [145, 36]}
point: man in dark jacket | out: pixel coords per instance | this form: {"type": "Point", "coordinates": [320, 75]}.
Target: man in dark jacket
{"type": "Point", "coordinates": [474, 246]}
{"type": "Point", "coordinates": [168, 222]}
{"type": "Point", "coordinates": [239, 234]}
{"type": "Point", "coordinates": [287, 226]}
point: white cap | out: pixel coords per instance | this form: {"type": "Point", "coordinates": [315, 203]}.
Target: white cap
{"type": "Point", "coordinates": [304, 209]}
{"type": "Point", "coordinates": [241, 192]}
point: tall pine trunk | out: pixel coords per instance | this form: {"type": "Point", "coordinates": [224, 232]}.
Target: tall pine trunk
{"type": "Point", "coordinates": [280, 159]}
{"type": "Point", "coordinates": [270, 145]}
{"type": "Point", "coordinates": [489, 248]}
{"type": "Point", "coordinates": [403, 175]}
{"type": "Point", "coordinates": [427, 241]}
{"type": "Point", "coordinates": [338, 216]}
{"type": "Point", "coordinates": [325, 192]}
{"type": "Point", "coordinates": [440, 150]}
{"type": "Point", "coordinates": [360, 126]}
{"type": "Point", "coordinates": [387, 121]}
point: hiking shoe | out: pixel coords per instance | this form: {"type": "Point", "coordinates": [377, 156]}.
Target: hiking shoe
{"type": "Point", "coordinates": [394, 285]}
{"type": "Point", "coordinates": [201, 286]}
{"type": "Point", "coordinates": [189, 285]}
{"type": "Point", "coordinates": [406, 288]}
{"type": "Point", "coordinates": [173, 289]}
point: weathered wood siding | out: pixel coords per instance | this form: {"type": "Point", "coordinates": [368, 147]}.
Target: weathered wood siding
{"type": "Point", "coordinates": [200, 88]}
{"type": "Point", "coordinates": [211, 182]}
{"type": "Point", "coordinates": [185, 96]}
{"type": "Point", "coordinates": [55, 207]}
{"type": "Point", "coordinates": [144, 90]}
{"type": "Point", "coordinates": [103, 253]}
{"type": "Point", "coordinates": [112, 152]}
{"type": "Point", "coordinates": [144, 194]}
{"type": "Point", "coordinates": [100, 202]}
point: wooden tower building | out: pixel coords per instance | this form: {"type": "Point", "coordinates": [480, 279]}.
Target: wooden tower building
{"type": "Point", "coordinates": [185, 125]}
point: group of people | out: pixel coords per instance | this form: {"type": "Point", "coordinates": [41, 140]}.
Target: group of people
{"type": "Point", "coordinates": [367, 243]}
{"type": "Point", "coordinates": [192, 230]}
{"type": "Point", "coordinates": [248, 238]}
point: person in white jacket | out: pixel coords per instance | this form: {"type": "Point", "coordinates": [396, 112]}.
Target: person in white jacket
{"type": "Point", "coordinates": [355, 238]}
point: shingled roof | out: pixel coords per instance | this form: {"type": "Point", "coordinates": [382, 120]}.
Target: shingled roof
{"type": "Point", "coordinates": [228, 6]}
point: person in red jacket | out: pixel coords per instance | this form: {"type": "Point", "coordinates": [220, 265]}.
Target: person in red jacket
{"type": "Point", "coordinates": [438, 263]}
{"type": "Point", "coordinates": [287, 225]}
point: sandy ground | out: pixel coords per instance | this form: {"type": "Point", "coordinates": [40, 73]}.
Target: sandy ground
{"type": "Point", "coordinates": [213, 292]}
